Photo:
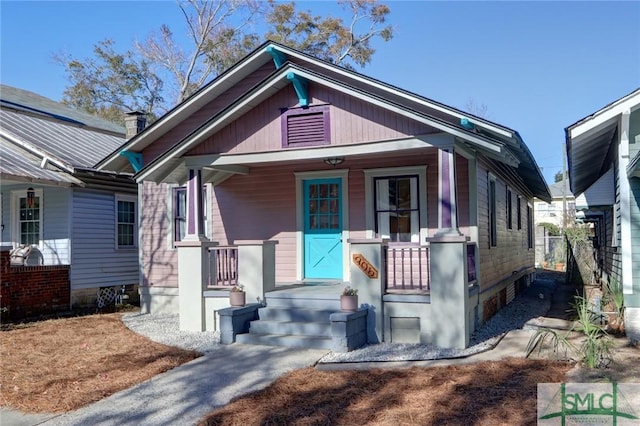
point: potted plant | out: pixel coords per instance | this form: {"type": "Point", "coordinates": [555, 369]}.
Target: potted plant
{"type": "Point", "coordinates": [349, 299]}
{"type": "Point", "coordinates": [237, 295]}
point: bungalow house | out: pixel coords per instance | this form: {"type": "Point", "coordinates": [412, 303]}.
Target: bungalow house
{"type": "Point", "coordinates": [295, 178]}
{"type": "Point", "coordinates": [58, 212]}
{"type": "Point", "coordinates": [603, 150]}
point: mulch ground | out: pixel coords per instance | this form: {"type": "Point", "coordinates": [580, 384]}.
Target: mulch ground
{"type": "Point", "coordinates": [488, 393]}
{"type": "Point", "coordinates": [61, 365]}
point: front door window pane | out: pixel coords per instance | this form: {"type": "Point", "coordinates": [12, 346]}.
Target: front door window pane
{"type": "Point", "coordinates": [324, 206]}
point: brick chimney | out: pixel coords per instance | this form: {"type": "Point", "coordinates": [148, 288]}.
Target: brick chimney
{"type": "Point", "coordinates": [134, 122]}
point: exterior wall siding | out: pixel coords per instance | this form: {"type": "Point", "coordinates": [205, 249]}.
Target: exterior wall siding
{"type": "Point", "coordinates": [262, 206]}
{"type": "Point", "coordinates": [351, 120]}
{"type": "Point", "coordinates": [55, 245]}
{"type": "Point", "coordinates": [634, 186]}
{"type": "Point", "coordinates": [96, 260]}
{"type": "Point", "coordinates": [204, 114]}
{"type": "Point", "coordinates": [497, 264]}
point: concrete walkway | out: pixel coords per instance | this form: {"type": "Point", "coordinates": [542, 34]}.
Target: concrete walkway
{"type": "Point", "coordinates": [184, 395]}
{"type": "Point", "coordinates": [187, 393]}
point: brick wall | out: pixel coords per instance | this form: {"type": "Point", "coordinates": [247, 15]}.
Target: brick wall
{"type": "Point", "coordinates": [32, 290]}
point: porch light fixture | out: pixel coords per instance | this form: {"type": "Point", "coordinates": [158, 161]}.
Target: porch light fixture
{"type": "Point", "coordinates": [334, 161]}
{"type": "Point", "coordinates": [31, 197]}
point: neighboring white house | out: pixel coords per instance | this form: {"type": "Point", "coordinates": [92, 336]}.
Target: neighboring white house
{"type": "Point", "coordinates": [56, 203]}
{"type": "Point", "coordinates": [562, 205]}
{"type": "Point", "coordinates": [604, 169]}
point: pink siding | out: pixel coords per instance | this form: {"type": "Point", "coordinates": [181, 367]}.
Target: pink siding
{"type": "Point", "coordinates": [159, 261]}
{"type": "Point", "coordinates": [351, 121]}
{"type": "Point", "coordinates": [196, 120]}
{"type": "Point", "coordinates": [512, 252]}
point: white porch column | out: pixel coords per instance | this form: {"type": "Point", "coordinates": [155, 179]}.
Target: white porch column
{"type": "Point", "coordinates": [195, 207]}
{"type": "Point", "coordinates": [364, 254]}
{"type": "Point", "coordinates": [256, 268]}
{"type": "Point", "coordinates": [193, 273]}
{"type": "Point", "coordinates": [450, 291]}
{"type": "Point", "coordinates": [447, 194]}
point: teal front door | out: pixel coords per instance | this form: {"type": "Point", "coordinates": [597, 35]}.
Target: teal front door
{"type": "Point", "coordinates": [323, 229]}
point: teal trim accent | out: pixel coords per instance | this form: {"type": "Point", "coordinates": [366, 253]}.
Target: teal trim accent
{"type": "Point", "coordinates": [135, 159]}
{"type": "Point", "coordinates": [300, 85]}
{"type": "Point", "coordinates": [464, 122]}
{"type": "Point", "coordinates": [278, 57]}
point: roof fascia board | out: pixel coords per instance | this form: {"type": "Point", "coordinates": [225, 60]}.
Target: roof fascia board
{"type": "Point", "coordinates": [6, 177]}
{"type": "Point", "coordinates": [37, 151]}
{"type": "Point", "coordinates": [385, 87]}
{"type": "Point", "coordinates": [604, 115]}
{"type": "Point", "coordinates": [210, 127]}
{"type": "Point", "coordinates": [311, 153]}
{"type": "Point", "coordinates": [196, 100]}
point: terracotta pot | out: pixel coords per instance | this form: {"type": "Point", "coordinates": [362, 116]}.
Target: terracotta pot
{"type": "Point", "coordinates": [559, 266]}
{"type": "Point", "coordinates": [349, 303]}
{"type": "Point", "coordinates": [237, 298]}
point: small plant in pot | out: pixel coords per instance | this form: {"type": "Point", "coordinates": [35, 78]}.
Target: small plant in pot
{"type": "Point", "coordinates": [349, 299]}
{"type": "Point", "coordinates": [237, 295]}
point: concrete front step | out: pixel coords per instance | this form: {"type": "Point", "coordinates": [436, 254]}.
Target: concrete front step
{"type": "Point", "coordinates": [287, 300]}
{"type": "Point", "coordinates": [291, 327]}
{"type": "Point", "coordinates": [270, 313]}
{"type": "Point", "coordinates": [291, 341]}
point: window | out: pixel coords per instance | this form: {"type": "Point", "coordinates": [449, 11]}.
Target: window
{"type": "Point", "coordinates": [519, 212]}
{"type": "Point", "coordinates": [397, 211]}
{"type": "Point", "coordinates": [305, 126]}
{"type": "Point", "coordinates": [27, 216]}
{"type": "Point", "coordinates": [509, 210]}
{"type": "Point", "coordinates": [529, 228]}
{"type": "Point", "coordinates": [180, 212]}
{"type": "Point", "coordinates": [126, 223]}
{"type": "Point", "coordinates": [493, 232]}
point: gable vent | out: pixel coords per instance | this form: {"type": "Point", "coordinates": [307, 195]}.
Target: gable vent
{"type": "Point", "coordinates": [306, 127]}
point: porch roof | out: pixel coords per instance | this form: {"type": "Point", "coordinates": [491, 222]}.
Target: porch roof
{"type": "Point", "coordinates": [592, 140]}
{"type": "Point", "coordinates": [496, 141]}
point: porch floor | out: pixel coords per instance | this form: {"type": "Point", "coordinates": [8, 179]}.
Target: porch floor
{"type": "Point", "coordinates": [311, 289]}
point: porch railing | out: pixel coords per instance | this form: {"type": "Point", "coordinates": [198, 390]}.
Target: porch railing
{"type": "Point", "coordinates": [471, 263]}
{"type": "Point", "coordinates": [225, 260]}
{"type": "Point", "coordinates": [407, 268]}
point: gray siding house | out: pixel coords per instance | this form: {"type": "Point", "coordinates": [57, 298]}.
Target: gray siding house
{"type": "Point", "coordinates": [604, 170]}
{"type": "Point", "coordinates": [55, 204]}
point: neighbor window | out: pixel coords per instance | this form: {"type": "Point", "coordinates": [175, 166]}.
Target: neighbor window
{"type": "Point", "coordinates": [29, 221]}
{"type": "Point", "coordinates": [519, 212]}
{"type": "Point", "coordinates": [529, 227]}
{"type": "Point", "coordinates": [509, 210]}
{"type": "Point", "coordinates": [180, 212]}
{"type": "Point", "coordinates": [126, 223]}
{"type": "Point", "coordinates": [397, 211]}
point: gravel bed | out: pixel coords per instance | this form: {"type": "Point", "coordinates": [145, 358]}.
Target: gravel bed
{"type": "Point", "coordinates": [522, 312]}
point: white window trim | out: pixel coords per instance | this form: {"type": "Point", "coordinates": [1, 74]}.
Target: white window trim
{"type": "Point", "coordinates": [133, 199]}
{"type": "Point", "coordinates": [15, 217]}
{"type": "Point", "coordinates": [369, 203]}
{"type": "Point", "coordinates": [171, 201]}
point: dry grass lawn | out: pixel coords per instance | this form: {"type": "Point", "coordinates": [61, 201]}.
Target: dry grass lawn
{"type": "Point", "coordinates": [63, 364]}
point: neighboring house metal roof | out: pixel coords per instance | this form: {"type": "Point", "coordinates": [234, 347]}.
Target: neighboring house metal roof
{"type": "Point", "coordinates": [40, 144]}
{"type": "Point", "coordinates": [512, 148]}
{"type": "Point", "coordinates": [23, 100]}
{"type": "Point", "coordinates": [591, 142]}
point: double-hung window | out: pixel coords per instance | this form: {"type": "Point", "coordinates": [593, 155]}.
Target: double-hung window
{"type": "Point", "coordinates": [126, 223]}
{"type": "Point", "coordinates": [397, 208]}
{"type": "Point", "coordinates": [27, 208]}
{"type": "Point", "coordinates": [180, 212]}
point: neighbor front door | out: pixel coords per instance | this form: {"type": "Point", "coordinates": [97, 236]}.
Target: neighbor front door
{"type": "Point", "coordinates": [323, 229]}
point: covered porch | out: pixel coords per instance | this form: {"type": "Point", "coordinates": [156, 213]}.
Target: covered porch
{"type": "Point", "coordinates": [414, 267]}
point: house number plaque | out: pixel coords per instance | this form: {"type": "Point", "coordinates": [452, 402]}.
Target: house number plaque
{"type": "Point", "coordinates": [366, 267]}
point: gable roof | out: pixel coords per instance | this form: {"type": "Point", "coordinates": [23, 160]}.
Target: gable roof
{"type": "Point", "coordinates": [560, 189]}
{"type": "Point", "coordinates": [591, 142]}
{"type": "Point", "coordinates": [505, 144]}
{"type": "Point", "coordinates": [44, 141]}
